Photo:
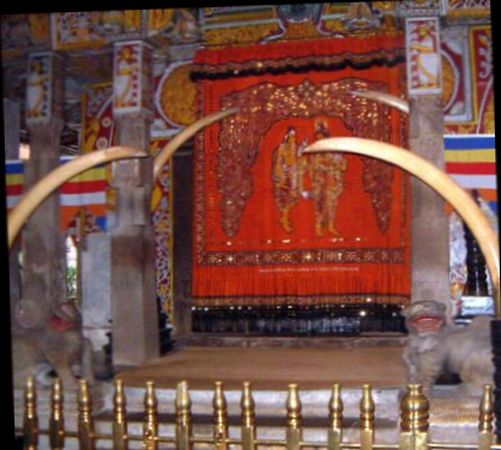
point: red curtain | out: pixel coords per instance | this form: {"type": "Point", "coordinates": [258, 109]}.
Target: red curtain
{"type": "Point", "coordinates": [275, 227]}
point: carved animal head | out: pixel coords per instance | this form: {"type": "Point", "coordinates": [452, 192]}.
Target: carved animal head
{"type": "Point", "coordinates": [424, 317]}
{"type": "Point", "coordinates": [68, 311]}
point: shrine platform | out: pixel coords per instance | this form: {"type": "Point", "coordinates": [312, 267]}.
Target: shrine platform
{"type": "Point", "coordinates": [270, 370]}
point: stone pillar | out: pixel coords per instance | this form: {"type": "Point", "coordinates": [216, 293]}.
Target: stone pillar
{"type": "Point", "coordinates": [96, 288]}
{"type": "Point", "coordinates": [430, 230]}
{"type": "Point", "coordinates": [183, 241]}
{"type": "Point", "coordinates": [43, 241]}
{"type": "Point", "coordinates": [135, 334]}
{"type": "Point", "coordinates": [11, 125]}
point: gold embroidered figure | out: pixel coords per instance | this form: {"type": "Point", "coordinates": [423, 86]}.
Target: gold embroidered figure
{"type": "Point", "coordinates": [287, 177]}
{"type": "Point", "coordinates": [326, 171]}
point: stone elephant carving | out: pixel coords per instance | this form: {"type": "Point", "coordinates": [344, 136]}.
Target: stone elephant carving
{"type": "Point", "coordinates": [59, 343]}
{"type": "Point", "coordinates": [59, 346]}
{"type": "Point", "coordinates": [434, 347]}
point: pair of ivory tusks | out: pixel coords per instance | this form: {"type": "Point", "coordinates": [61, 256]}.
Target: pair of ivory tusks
{"type": "Point", "coordinates": [442, 183]}
{"type": "Point", "coordinates": [419, 167]}
{"type": "Point", "coordinates": [43, 188]}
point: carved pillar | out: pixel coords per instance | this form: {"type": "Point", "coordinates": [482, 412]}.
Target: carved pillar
{"type": "Point", "coordinates": [133, 295]}
{"type": "Point", "coordinates": [11, 123]}
{"type": "Point", "coordinates": [430, 243]}
{"type": "Point", "coordinates": [43, 241]}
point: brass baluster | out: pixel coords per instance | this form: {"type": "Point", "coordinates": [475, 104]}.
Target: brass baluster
{"type": "Point", "coordinates": [183, 417]}
{"type": "Point", "coordinates": [85, 420]}
{"type": "Point", "coordinates": [220, 418]}
{"type": "Point", "coordinates": [335, 431]}
{"type": "Point", "coordinates": [150, 424]}
{"type": "Point", "coordinates": [56, 419]}
{"type": "Point", "coordinates": [294, 431]}
{"type": "Point", "coordinates": [248, 406]}
{"type": "Point", "coordinates": [486, 419]}
{"type": "Point", "coordinates": [367, 418]}
{"type": "Point", "coordinates": [119, 427]}
{"type": "Point", "coordinates": [414, 419]}
{"type": "Point", "coordinates": [30, 419]}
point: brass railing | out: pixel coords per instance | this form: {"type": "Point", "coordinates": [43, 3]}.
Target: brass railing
{"type": "Point", "coordinates": [413, 435]}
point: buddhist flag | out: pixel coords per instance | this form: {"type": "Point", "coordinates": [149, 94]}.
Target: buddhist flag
{"type": "Point", "coordinates": [14, 182]}
{"type": "Point", "coordinates": [471, 161]}
{"type": "Point", "coordinates": [87, 190]}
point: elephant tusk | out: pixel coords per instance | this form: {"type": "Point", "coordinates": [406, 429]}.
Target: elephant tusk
{"type": "Point", "coordinates": [387, 99]}
{"type": "Point", "coordinates": [48, 184]}
{"type": "Point", "coordinates": [184, 135]}
{"type": "Point", "coordinates": [442, 183]}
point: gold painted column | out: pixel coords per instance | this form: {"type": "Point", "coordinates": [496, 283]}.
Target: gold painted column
{"type": "Point", "coordinates": [430, 229]}
{"type": "Point", "coordinates": [43, 284]}
{"type": "Point", "coordinates": [135, 334]}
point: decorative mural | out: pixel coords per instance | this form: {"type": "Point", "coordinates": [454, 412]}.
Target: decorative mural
{"type": "Point", "coordinates": [298, 21]}
{"type": "Point", "coordinates": [39, 87]}
{"type": "Point", "coordinates": [162, 219]}
{"type": "Point", "coordinates": [174, 26]}
{"type": "Point", "coordinates": [456, 75]}
{"type": "Point", "coordinates": [132, 64]}
{"type": "Point", "coordinates": [229, 25]}
{"type": "Point", "coordinates": [248, 25]}
{"type": "Point", "coordinates": [74, 30]}
{"type": "Point", "coordinates": [458, 9]}
{"type": "Point", "coordinates": [424, 70]}
{"type": "Point", "coordinates": [159, 19]}
{"type": "Point", "coordinates": [44, 87]}
{"type": "Point", "coordinates": [481, 42]}
{"type": "Point", "coordinates": [97, 114]}
{"type": "Point", "coordinates": [175, 98]}
{"type": "Point", "coordinates": [481, 85]}
{"type": "Point", "coordinates": [24, 30]}
{"type": "Point", "coordinates": [421, 8]}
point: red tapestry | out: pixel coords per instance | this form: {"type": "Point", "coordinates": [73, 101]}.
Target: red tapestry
{"type": "Point", "coordinates": [275, 227]}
